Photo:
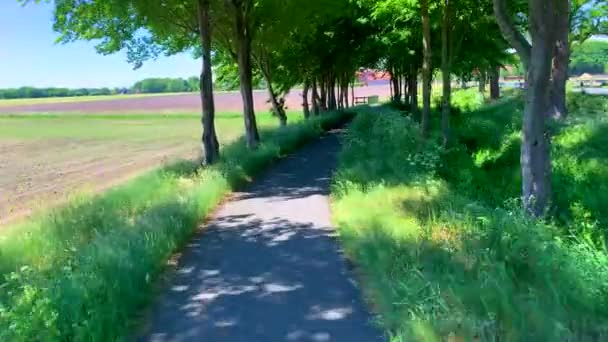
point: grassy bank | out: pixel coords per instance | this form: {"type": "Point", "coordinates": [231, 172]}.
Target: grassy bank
{"type": "Point", "coordinates": [444, 251]}
{"type": "Point", "coordinates": [83, 272]}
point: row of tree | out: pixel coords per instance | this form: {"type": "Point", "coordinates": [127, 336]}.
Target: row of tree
{"type": "Point", "coordinates": [31, 92]}
{"type": "Point", "coordinates": [165, 85]}
{"type": "Point", "coordinates": [321, 43]}
{"type": "Point", "coordinates": [227, 80]}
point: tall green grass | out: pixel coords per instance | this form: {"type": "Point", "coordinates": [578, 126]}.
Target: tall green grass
{"type": "Point", "coordinates": [485, 163]}
{"type": "Point", "coordinates": [83, 272]}
{"type": "Point", "coordinates": [444, 251]}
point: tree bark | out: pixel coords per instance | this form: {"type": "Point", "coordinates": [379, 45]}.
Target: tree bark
{"type": "Point", "coordinates": [340, 99]}
{"type": "Point", "coordinates": [426, 68]}
{"type": "Point", "coordinates": [211, 148]}
{"type": "Point", "coordinates": [509, 31]}
{"type": "Point", "coordinates": [561, 60]}
{"type": "Point", "coordinates": [537, 57]}
{"type": "Point", "coordinates": [495, 83]}
{"type": "Point", "coordinates": [242, 11]}
{"type": "Point", "coordinates": [535, 157]}
{"type": "Point", "coordinates": [315, 98]}
{"type": "Point", "coordinates": [345, 92]}
{"type": "Point", "coordinates": [277, 107]}
{"type": "Point", "coordinates": [482, 81]}
{"type": "Point", "coordinates": [396, 89]}
{"type": "Point", "coordinates": [324, 96]}
{"type": "Point", "coordinates": [305, 104]}
{"type": "Point", "coordinates": [414, 90]}
{"type": "Point", "coordinates": [406, 89]}
{"type": "Point", "coordinates": [332, 93]}
{"type": "Point", "coordinates": [352, 92]}
{"type": "Point", "coordinates": [446, 107]}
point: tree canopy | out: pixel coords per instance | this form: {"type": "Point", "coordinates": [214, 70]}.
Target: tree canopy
{"type": "Point", "coordinates": [320, 45]}
{"type": "Point", "coordinates": [589, 57]}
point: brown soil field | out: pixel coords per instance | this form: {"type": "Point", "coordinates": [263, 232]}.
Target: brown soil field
{"type": "Point", "coordinates": [45, 161]}
{"type": "Point", "coordinates": [41, 173]}
{"type": "Point", "coordinates": [224, 102]}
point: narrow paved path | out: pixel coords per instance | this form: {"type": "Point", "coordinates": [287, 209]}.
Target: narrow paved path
{"type": "Point", "coordinates": [267, 267]}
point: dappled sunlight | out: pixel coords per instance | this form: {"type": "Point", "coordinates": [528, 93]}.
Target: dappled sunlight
{"type": "Point", "coordinates": [277, 280]}
{"type": "Point", "coordinates": [268, 266]}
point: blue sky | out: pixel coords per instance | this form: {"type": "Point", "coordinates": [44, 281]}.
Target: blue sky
{"type": "Point", "coordinates": [29, 56]}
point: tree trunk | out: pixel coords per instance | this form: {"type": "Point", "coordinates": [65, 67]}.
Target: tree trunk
{"type": "Point", "coordinates": [482, 81]}
{"type": "Point", "coordinates": [315, 98]}
{"type": "Point", "coordinates": [345, 92]}
{"type": "Point", "coordinates": [243, 33]}
{"type": "Point", "coordinates": [511, 32]}
{"type": "Point", "coordinates": [536, 58]}
{"type": "Point", "coordinates": [333, 92]}
{"type": "Point", "coordinates": [495, 83]}
{"type": "Point", "coordinates": [561, 60]}
{"type": "Point", "coordinates": [446, 107]}
{"type": "Point", "coordinates": [211, 147]}
{"type": "Point", "coordinates": [352, 92]}
{"type": "Point", "coordinates": [426, 68]}
{"type": "Point", "coordinates": [406, 90]}
{"type": "Point", "coordinates": [535, 157]}
{"type": "Point", "coordinates": [277, 107]}
{"type": "Point", "coordinates": [305, 104]}
{"type": "Point", "coordinates": [414, 90]}
{"type": "Point", "coordinates": [396, 89]}
{"type": "Point", "coordinates": [331, 89]}
{"type": "Point", "coordinates": [340, 99]}
{"type": "Point", "coordinates": [324, 96]}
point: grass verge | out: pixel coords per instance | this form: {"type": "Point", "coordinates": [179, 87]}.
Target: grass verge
{"type": "Point", "coordinates": [444, 251]}
{"type": "Point", "coordinates": [85, 271]}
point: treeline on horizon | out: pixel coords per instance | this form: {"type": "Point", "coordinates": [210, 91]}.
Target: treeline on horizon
{"type": "Point", "coordinates": [146, 86]}
{"type": "Point", "coordinates": [590, 57]}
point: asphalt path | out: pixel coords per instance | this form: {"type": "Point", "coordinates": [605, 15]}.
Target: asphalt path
{"type": "Point", "coordinates": [268, 266]}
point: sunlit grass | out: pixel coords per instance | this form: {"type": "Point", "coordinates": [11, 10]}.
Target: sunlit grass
{"type": "Point", "coordinates": [84, 271]}
{"type": "Point", "coordinates": [443, 248]}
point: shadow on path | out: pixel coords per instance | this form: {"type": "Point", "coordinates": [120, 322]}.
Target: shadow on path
{"type": "Point", "coordinates": [267, 267]}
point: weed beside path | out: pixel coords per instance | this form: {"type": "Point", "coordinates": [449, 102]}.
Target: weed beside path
{"type": "Point", "coordinates": [84, 271]}
{"type": "Point", "coordinates": [443, 248]}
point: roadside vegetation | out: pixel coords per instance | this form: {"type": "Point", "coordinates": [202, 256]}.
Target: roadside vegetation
{"type": "Point", "coordinates": [443, 246]}
{"type": "Point", "coordinates": [85, 271]}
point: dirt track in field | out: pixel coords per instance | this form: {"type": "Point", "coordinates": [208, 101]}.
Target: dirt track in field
{"type": "Point", "coordinates": [224, 102]}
